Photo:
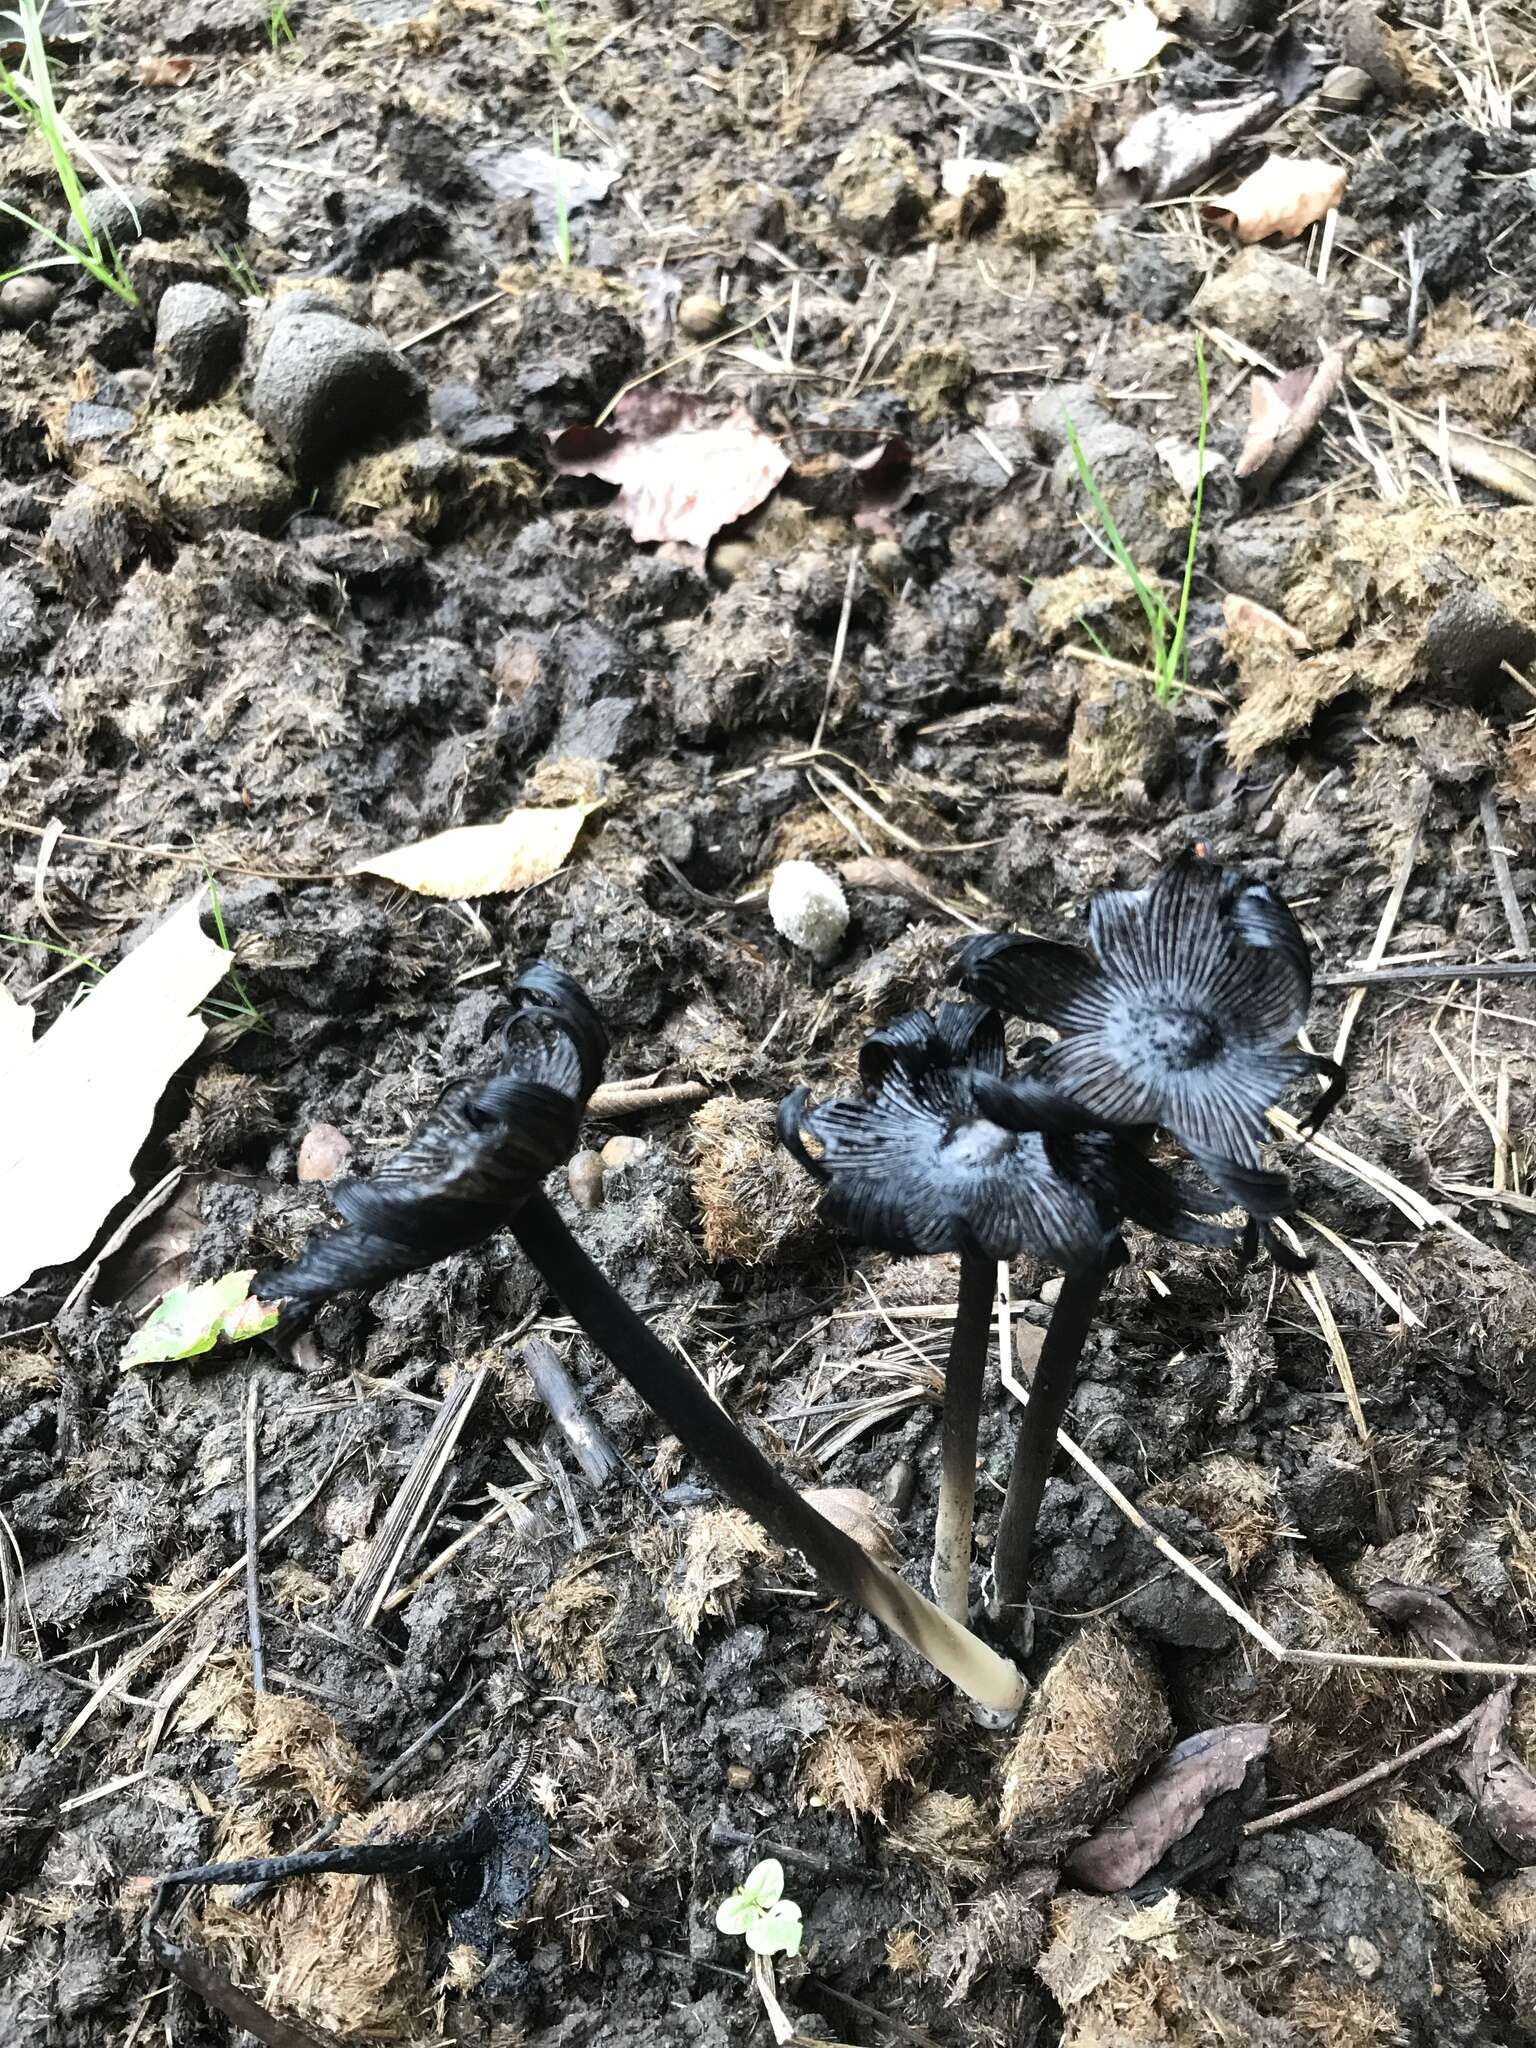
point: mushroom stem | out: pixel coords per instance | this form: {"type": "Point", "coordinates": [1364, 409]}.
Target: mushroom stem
{"type": "Point", "coordinates": [951, 1577]}
{"type": "Point", "coordinates": [746, 1477]}
{"type": "Point", "coordinates": [1035, 1445]}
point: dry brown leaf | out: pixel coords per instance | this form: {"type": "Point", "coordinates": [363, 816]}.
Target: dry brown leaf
{"type": "Point", "coordinates": [1499, 464]}
{"type": "Point", "coordinates": [1283, 413]}
{"type": "Point", "coordinates": [1433, 1617]}
{"type": "Point", "coordinates": [1504, 1789]}
{"type": "Point", "coordinates": [166, 70]}
{"type": "Point", "coordinates": [1245, 615]}
{"type": "Point", "coordinates": [683, 471]}
{"type": "Point", "coordinates": [76, 1105]}
{"type": "Point", "coordinates": [1161, 1812]}
{"type": "Point", "coordinates": [526, 847]}
{"type": "Point", "coordinates": [1284, 196]}
{"type": "Point", "coordinates": [1174, 148]}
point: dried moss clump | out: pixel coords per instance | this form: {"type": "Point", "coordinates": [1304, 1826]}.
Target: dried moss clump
{"type": "Point", "coordinates": [1235, 1499]}
{"type": "Point", "coordinates": [755, 1204]}
{"type": "Point", "coordinates": [1426, 1850]}
{"type": "Point", "coordinates": [858, 1759]}
{"type": "Point", "coordinates": [947, 1832]}
{"type": "Point", "coordinates": [719, 1548]}
{"type": "Point", "coordinates": [572, 1625]}
{"type": "Point", "coordinates": [1004, 1930]}
{"type": "Point", "coordinates": [299, 1758]}
{"type": "Point", "coordinates": [1096, 1723]}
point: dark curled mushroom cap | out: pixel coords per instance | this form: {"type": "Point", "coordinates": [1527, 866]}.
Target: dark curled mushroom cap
{"type": "Point", "coordinates": [943, 1154]}
{"type": "Point", "coordinates": [1184, 1014]}
{"type": "Point", "coordinates": [477, 1155]}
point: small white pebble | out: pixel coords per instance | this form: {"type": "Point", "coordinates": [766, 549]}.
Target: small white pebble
{"type": "Point", "coordinates": [585, 1176]}
{"type": "Point", "coordinates": [622, 1151]}
{"type": "Point", "coordinates": [808, 907]}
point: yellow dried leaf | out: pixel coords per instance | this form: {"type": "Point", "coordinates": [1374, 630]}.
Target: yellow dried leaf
{"type": "Point", "coordinates": [527, 846]}
{"type": "Point", "coordinates": [1284, 196]}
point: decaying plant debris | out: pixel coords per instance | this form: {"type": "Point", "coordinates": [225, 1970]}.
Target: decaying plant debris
{"type": "Point", "coordinates": [518, 478]}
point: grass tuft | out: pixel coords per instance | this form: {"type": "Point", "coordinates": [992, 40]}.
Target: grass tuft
{"type": "Point", "coordinates": [31, 93]}
{"type": "Point", "coordinates": [1166, 627]}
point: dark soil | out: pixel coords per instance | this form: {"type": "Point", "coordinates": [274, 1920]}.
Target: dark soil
{"type": "Point", "coordinates": [278, 600]}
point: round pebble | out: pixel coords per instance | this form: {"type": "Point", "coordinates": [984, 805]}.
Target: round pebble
{"type": "Point", "coordinates": [622, 1151]}
{"type": "Point", "coordinates": [585, 1176]}
{"type": "Point", "coordinates": [700, 315]}
{"type": "Point", "coordinates": [26, 300]}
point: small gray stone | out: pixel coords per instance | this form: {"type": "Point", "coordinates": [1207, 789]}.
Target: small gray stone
{"type": "Point", "coordinates": [1267, 301]}
{"type": "Point", "coordinates": [198, 332]}
{"type": "Point", "coordinates": [328, 388]}
{"type": "Point", "coordinates": [123, 214]}
{"type": "Point", "coordinates": [26, 300]}
{"type": "Point", "coordinates": [86, 422]}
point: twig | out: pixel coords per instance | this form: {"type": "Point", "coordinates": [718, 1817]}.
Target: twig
{"type": "Point", "coordinates": [1363, 1779]}
{"type": "Point", "coordinates": [253, 1542]}
{"type": "Point", "coordinates": [1488, 812]}
{"type": "Point", "coordinates": [1389, 915]}
{"type": "Point", "coordinates": [722, 1837]}
{"type": "Point", "coordinates": [1283, 1653]}
{"type": "Point", "coordinates": [497, 297]}
{"type": "Point", "coordinates": [1415, 263]}
{"type": "Point", "coordinates": [402, 1521]}
{"type": "Point", "coordinates": [839, 645]}
{"type": "Point", "coordinates": [561, 1396]}
{"type": "Point", "coordinates": [237, 2006]}
{"type": "Point", "coordinates": [1473, 970]}
{"type": "Point", "coordinates": [623, 1098]}
{"type": "Point", "coordinates": [195, 860]}
{"type": "Point", "coordinates": [112, 1685]}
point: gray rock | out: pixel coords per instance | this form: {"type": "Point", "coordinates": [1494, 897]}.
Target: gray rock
{"type": "Point", "coordinates": [198, 333]}
{"type": "Point", "coordinates": [328, 388]}
{"type": "Point", "coordinates": [126, 214]}
{"type": "Point", "coordinates": [86, 422]}
{"type": "Point", "coordinates": [26, 300]}
{"type": "Point", "coordinates": [22, 635]}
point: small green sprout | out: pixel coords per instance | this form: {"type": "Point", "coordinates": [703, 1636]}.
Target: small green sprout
{"type": "Point", "coordinates": [238, 264]}
{"type": "Point", "coordinates": [279, 27]}
{"type": "Point", "coordinates": [759, 1910]}
{"type": "Point", "coordinates": [562, 204]}
{"type": "Point", "coordinates": [554, 34]}
{"type": "Point", "coordinates": [243, 1010]}
{"type": "Point", "coordinates": [1165, 627]}
{"type": "Point", "coordinates": [30, 92]}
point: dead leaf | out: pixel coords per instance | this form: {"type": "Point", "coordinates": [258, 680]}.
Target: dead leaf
{"type": "Point", "coordinates": [1282, 414]}
{"type": "Point", "coordinates": [682, 472]}
{"type": "Point", "coordinates": [1183, 462]}
{"type": "Point", "coordinates": [1163, 1810]}
{"type": "Point", "coordinates": [1284, 196]}
{"type": "Point", "coordinates": [526, 847]}
{"type": "Point", "coordinates": [1505, 1791]}
{"type": "Point", "coordinates": [191, 1320]}
{"type": "Point", "coordinates": [1174, 148]}
{"type": "Point", "coordinates": [76, 1106]}
{"type": "Point", "coordinates": [1501, 465]}
{"type": "Point", "coordinates": [166, 70]}
{"type": "Point", "coordinates": [1244, 615]}
{"type": "Point", "coordinates": [1440, 1626]}
{"type": "Point", "coordinates": [1128, 42]}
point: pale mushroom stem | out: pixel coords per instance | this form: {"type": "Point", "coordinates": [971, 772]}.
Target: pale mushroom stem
{"type": "Point", "coordinates": [1035, 1446]}
{"type": "Point", "coordinates": [678, 1396]}
{"type": "Point", "coordinates": [951, 1576]}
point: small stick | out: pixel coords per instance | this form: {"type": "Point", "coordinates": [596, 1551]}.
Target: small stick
{"type": "Point", "coordinates": [253, 1543]}
{"type": "Point", "coordinates": [386, 1553]}
{"type": "Point", "coordinates": [722, 1837]}
{"type": "Point", "coordinates": [561, 1396]}
{"type": "Point", "coordinates": [1474, 970]}
{"type": "Point", "coordinates": [1389, 916]}
{"type": "Point", "coordinates": [1488, 812]}
{"type": "Point", "coordinates": [621, 1098]}
{"type": "Point", "coordinates": [1374, 1776]}
{"type": "Point", "coordinates": [1503, 1163]}
{"type": "Point", "coordinates": [237, 2006]}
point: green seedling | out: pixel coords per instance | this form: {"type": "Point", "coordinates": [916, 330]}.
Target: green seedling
{"type": "Point", "coordinates": [191, 1320]}
{"type": "Point", "coordinates": [1166, 628]}
{"type": "Point", "coordinates": [243, 1009]}
{"type": "Point", "coordinates": [759, 1911]}
{"type": "Point", "coordinates": [279, 27]}
{"type": "Point", "coordinates": [562, 205]}
{"type": "Point", "coordinates": [31, 93]}
{"type": "Point", "coordinates": [554, 34]}
{"type": "Point", "coordinates": [48, 946]}
{"type": "Point", "coordinates": [242, 276]}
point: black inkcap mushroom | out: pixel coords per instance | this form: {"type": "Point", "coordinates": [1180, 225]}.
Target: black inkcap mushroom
{"type": "Point", "coordinates": [478, 1154]}
{"type": "Point", "coordinates": [1184, 1014]}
